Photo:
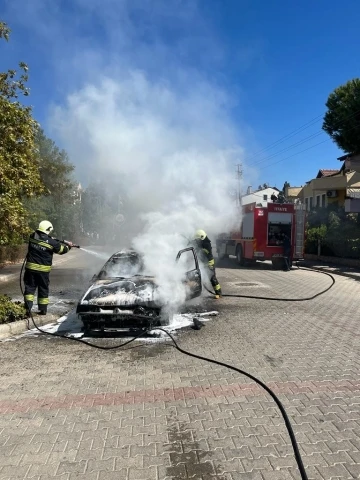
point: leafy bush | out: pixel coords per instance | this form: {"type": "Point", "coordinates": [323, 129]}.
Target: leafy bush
{"type": "Point", "coordinates": [11, 311]}
{"type": "Point", "coordinates": [338, 232]}
{"type": "Point", "coordinates": [12, 253]}
{"type": "Point", "coordinates": [313, 235]}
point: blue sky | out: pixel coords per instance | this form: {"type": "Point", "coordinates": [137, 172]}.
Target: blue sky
{"type": "Point", "coordinates": [253, 71]}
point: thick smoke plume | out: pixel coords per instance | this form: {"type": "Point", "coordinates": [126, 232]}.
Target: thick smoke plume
{"type": "Point", "coordinates": [142, 114]}
{"type": "Point", "coordinates": [173, 154]}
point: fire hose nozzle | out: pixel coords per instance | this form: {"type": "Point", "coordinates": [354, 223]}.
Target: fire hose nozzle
{"type": "Point", "coordinates": [70, 244]}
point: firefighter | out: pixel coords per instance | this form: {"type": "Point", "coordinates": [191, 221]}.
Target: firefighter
{"type": "Point", "coordinates": [38, 265]}
{"type": "Point", "coordinates": [203, 246]}
{"type": "Point", "coordinates": [286, 243]}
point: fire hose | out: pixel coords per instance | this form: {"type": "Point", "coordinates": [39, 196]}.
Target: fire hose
{"type": "Point", "coordinates": [143, 332]}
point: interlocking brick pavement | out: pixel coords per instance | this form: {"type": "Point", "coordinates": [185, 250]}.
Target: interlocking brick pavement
{"type": "Point", "coordinates": [148, 412]}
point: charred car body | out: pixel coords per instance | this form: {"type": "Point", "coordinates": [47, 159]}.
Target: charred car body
{"type": "Point", "coordinates": [124, 296]}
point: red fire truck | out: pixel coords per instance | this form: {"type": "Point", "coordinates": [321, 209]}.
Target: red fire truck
{"type": "Point", "coordinates": [259, 237]}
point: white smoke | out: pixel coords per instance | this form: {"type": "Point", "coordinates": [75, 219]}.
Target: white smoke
{"type": "Point", "coordinates": [160, 127]}
{"type": "Point", "coordinates": [174, 154]}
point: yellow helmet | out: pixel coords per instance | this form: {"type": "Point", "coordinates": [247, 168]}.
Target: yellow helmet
{"type": "Point", "coordinates": [45, 227]}
{"type": "Point", "coordinates": [200, 235]}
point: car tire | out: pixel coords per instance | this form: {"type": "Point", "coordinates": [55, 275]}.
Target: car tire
{"type": "Point", "coordinates": [277, 263]}
{"type": "Point", "coordinates": [86, 326]}
{"type": "Point", "coordinates": [239, 256]}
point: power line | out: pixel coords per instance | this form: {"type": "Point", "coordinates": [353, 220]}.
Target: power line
{"type": "Point", "coordinates": [290, 147]}
{"type": "Point", "coordinates": [297, 153]}
{"type": "Point", "coordinates": [289, 135]}
{"type": "Point", "coordinates": [304, 140]}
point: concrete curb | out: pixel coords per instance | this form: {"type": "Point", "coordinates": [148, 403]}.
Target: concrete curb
{"type": "Point", "coordinates": [8, 330]}
{"type": "Point", "coordinates": [354, 276]}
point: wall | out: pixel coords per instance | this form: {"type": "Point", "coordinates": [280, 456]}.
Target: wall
{"type": "Point", "coordinates": [320, 186]}
{"type": "Point", "coordinates": [257, 196]}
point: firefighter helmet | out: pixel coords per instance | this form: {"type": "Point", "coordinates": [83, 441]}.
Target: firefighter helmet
{"type": "Point", "coordinates": [200, 235]}
{"type": "Point", "coordinates": [45, 227]}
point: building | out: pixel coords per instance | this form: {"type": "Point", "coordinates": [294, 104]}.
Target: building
{"type": "Point", "coordinates": [340, 187]}
{"type": "Point", "coordinates": [259, 196]}
{"type": "Point", "coordinates": [292, 194]}
{"type": "Point", "coordinates": [352, 201]}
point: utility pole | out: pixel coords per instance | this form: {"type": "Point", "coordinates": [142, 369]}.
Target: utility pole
{"type": "Point", "coordinates": [239, 173]}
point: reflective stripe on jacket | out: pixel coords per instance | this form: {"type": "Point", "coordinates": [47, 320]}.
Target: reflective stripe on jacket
{"type": "Point", "coordinates": [40, 251]}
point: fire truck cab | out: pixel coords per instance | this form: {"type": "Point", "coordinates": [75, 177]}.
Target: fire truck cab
{"type": "Point", "coordinates": [259, 237]}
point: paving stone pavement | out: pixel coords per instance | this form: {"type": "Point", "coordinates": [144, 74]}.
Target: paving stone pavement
{"type": "Point", "coordinates": [148, 412]}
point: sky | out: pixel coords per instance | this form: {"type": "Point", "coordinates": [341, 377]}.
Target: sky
{"type": "Point", "coordinates": [235, 74]}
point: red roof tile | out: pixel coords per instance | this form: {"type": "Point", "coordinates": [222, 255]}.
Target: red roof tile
{"type": "Point", "coordinates": [326, 173]}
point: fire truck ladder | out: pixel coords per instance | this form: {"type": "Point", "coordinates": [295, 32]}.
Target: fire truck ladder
{"type": "Point", "coordinates": [299, 231]}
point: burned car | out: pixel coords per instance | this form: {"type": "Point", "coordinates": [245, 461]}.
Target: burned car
{"type": "Point", "coordinates": [124, 296]}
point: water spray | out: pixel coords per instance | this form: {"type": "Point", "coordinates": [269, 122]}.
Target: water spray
{"type": "Point", "coordinates": [103, 256]}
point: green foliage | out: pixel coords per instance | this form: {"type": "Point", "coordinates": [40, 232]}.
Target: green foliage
{"type": "Point", "coordinates": [102, 205]}
{"type": "Point", "coordinates": [339, 233]}
{"type": "Point", "coordinates": [342, 120]}
{"type": "Point", "coordinates": [55, 168]}
{"type": "Point", "coordinates": [4, 31]}
{"type": "Point", "coordinates": [19, 169]}
{"type": "Point", "coordinates": [58, 204]}
{"type": "Point", "coordinates": [286, 185]}
{"type": "Point", "coordinates": [11, 311]}
{"type": "Point", "coordinates": [12, 253]}
{"type": "Point", "coordinates": [313, 235]}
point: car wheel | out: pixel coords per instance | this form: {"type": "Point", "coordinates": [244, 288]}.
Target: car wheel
{"type": "Point", "coordinates": [239, 256]}
{"type": "Point", "coordinates": [86, 326]}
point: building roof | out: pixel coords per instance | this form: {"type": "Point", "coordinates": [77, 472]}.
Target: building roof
{"type": "Point", "coordinates": [347, 155]}
{"type": "Point", "coordinates": [326, 173]}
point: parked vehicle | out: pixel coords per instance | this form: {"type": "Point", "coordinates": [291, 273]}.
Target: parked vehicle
{"type": "Point", "coordinates": [259, 235]}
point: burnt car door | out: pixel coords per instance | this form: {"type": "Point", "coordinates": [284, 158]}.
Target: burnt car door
{"type": "Point", "coordinates": [192, 277]}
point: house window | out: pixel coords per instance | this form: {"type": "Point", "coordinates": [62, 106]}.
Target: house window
{"type": "Point", "coordinates": [318, 200]}
{"type": "Point", "coordinates": [310, 203]}
{"type": "Point", "coordinates": [323, 200]}
{"type": "Point", "coordinates": [265, 198]}
{"type": "Point", "coordinates": [307, 203]}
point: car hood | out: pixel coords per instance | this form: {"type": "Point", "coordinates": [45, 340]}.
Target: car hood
{"type": "Point", "coordinates": [137, 290]}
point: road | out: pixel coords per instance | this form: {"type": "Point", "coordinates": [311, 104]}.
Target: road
{"type": "Point", "coordinates": [68, 278]}
{"type": "Point", "coordinates": [148, 412]}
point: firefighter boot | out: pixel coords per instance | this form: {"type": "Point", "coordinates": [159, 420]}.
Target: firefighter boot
{"type": "Point", "coordinates": [28, 306]}
{"type": "Point", "coordinates": [218, 293]}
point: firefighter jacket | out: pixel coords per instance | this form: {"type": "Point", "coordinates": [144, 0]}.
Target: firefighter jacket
{"type": "Point", "coordinates": [204, 249]}
{"type": "Point", "coordinates": [40, 251]}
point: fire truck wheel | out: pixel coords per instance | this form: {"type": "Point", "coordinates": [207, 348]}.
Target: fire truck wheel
{"type": "Point", "coordinates": [239, 256]}
{"type": "Point", "coordinates": [277, 263]}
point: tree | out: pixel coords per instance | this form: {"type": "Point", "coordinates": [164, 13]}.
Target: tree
{"type": "Point", "coordinates": [58, 203]}
{"type": "Point", "coordinates": [342, 120]}
{"type": "Point", "coordinates": [19, 168]}
{"type": "Point", "coordinates": [286, 185]}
